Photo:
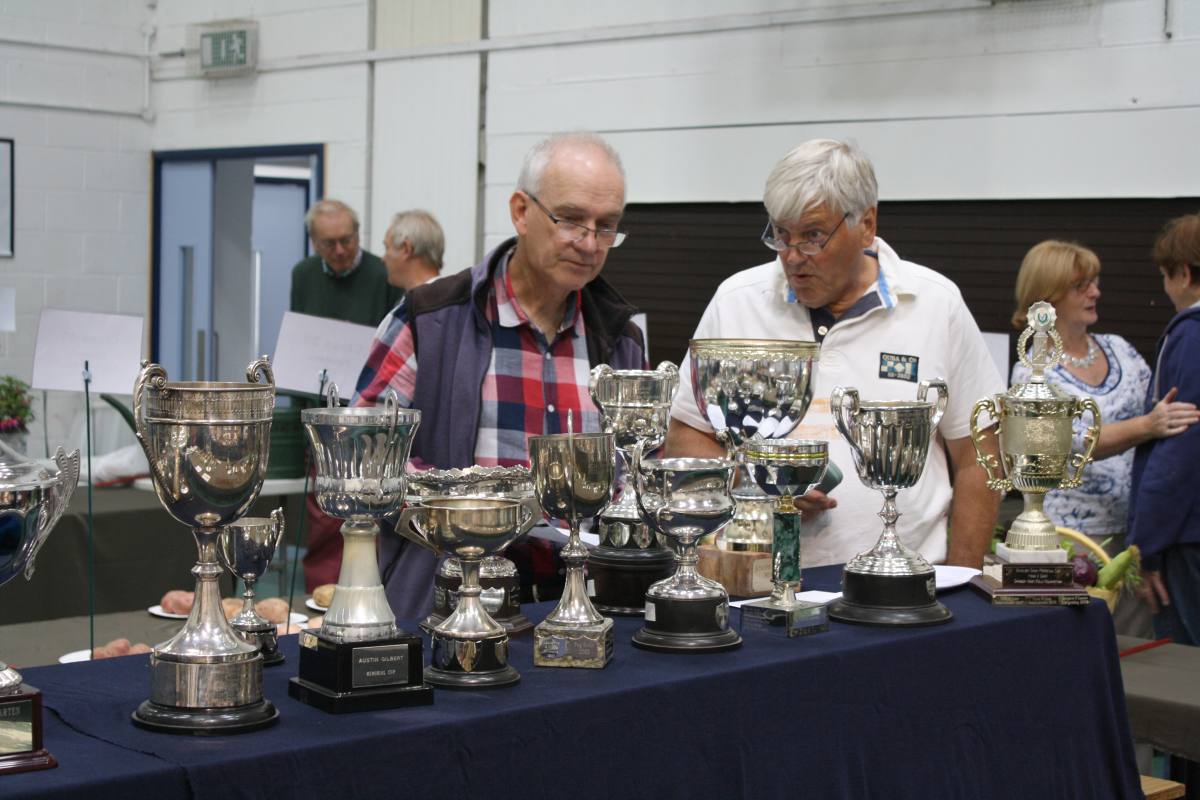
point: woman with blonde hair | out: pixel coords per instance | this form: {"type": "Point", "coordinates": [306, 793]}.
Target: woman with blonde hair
{"type": "Point", "coordinates": [1107, 368]}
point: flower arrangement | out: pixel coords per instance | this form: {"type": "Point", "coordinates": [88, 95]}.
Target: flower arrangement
{"type": "Point", "coordinates": [16, 405]}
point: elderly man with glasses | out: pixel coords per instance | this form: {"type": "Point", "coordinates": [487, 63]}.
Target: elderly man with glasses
{"type": "Point", "coordinates": [884, 324]}
{"type": "Point", "coordinates": [496, 354]}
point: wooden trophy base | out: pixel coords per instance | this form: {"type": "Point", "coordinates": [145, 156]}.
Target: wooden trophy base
{"type": "Point", "coordinates": [21, 732]}
{"type": "Point", "coordinates": [742, 573]}
{"type": "Point", "coordinates": [1029, 583]}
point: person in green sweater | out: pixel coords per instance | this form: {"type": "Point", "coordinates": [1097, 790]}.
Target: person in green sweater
{"type": "Point", "coordinates": [341, 281]}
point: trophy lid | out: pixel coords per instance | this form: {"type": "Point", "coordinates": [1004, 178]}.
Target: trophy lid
{"type": "Point", "coordinates": [1045, 351]}
{"type": "Point", "coordinates": [18, 473]}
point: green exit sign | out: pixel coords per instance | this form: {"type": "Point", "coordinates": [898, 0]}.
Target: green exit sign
{"type": "Point", "coordinates": [225, 49]}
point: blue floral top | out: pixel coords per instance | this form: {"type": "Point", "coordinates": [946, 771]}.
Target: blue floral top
{"type": "Point", "coordinates": [1101, 504]}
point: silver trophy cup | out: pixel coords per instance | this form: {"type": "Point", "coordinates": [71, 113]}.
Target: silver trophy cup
{"type": "Point", "coordinates": [32, 498]}
{"type": "Point", "coordinates": [635, 407]}
{"type": "Point", "coordinates": [573, 476]}
{"type": "Point", "coordinates": [207, 445]}
{"type": "Point", "coordinates": [686, 499]}
{"type": "Point", "coordinates": [890, 584]}
{"type": "Point", "coordinates": [752, 388]}
{"type": "Point", "coordinates": [469, 648]}
{"type": "Point", "coordinates": [246, 548]}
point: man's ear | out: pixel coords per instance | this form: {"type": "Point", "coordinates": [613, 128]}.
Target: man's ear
{"type": "Point", "coordinates": [869, 222]}
{"type": "Point", "coordinates": [518, 207]}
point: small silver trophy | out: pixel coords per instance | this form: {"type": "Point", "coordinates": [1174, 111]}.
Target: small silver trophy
{"type": "Point", "coordinates": [890, 584]}
{"type": "Point", "coordinates": [359, 660]}
{"type": "Point", "coordinates": [207, 444]}
{"type": "Point", "coordinates": [635, 407]}
{"type": "Point", "coordinates": [786, 469]}
{"type": "Point", "coordinates": [246, 547]}
{"type": "Point", "coordinates": [469, 649]}
{"type": "Point", "coordinates": [32, 498]}
{"type": "Point", "coordinates": [752, 388]}
{"type": "Point", "coordinates": [573, 475]}
{"type": "Point", "coordinates": [686, 499]}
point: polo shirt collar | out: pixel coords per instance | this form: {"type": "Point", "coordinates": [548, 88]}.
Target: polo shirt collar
{"type": "Point", "coordinates": [509, 313]}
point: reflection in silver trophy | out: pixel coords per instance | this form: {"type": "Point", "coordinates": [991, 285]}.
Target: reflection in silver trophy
{"type": "Point", "coordinates": [207, 445]}
{"type": "Point", "coordinates": [246, 547]}
{"type": "Point", "coordinates": [32, 498]}
{"type": "Point", "coordinates": [501, 592]}
{"type": "Point", "coordinates": [686, 499]}
{"type": "Point", "coordinates": [359, 659]}
{"type": "Point", "coordinates": [786, 469]}
{"type": "Point", "coordinates": [635, 407]}
{"type": "Point", "coordinates": [573, 477]}
{"type": "Point", "coordinates": [890, 584]}
{"type": "Point", "coordinates": [752, 388]}
{"type": "Point", "coordinates": [469, 648]}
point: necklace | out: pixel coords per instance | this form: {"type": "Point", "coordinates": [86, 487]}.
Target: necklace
{"type": "Point", "coordinates": [1085, 361]}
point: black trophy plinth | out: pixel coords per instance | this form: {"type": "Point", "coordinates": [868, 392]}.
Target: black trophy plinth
{"type": "Point", "coordinates": [21, 747]}
{"type": "Point", "coordinates": [903, 600]}
{"type": "Point", "coordinates": [619, 577]}
{"type": "Point", "coordinates": [470, 663]}
{"type": "Point", "coordinates": [205, 721]}
{"type": "Point", "coordinates": [266, 637]}
{"type": "Point", "coordinates": [344, 677]}
{"type": "Point", "coordinates": [687, 626]}
{"type": "Point", "coordinates": [501, 596]}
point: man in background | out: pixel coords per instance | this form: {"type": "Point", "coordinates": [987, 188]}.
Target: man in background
{"type": "Point", "coordinates": [413, 248]}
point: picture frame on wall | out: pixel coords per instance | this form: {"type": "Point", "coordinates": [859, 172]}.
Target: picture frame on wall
{"type": "Point", "coordinates": [7, 202]}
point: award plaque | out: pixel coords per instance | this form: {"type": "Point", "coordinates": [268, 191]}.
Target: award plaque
{"type": "Point", "coordinates": [1036, 437]}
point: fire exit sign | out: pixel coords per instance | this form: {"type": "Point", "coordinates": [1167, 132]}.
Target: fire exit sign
{"type": "Point", "coordinates": [227, 48]}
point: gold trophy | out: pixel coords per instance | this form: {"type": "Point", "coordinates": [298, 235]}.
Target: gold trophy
{"type": "Point", "coordinates": [1035, 430]}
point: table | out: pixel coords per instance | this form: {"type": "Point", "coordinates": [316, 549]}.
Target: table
{"type": "Point", "coordinates": [1001, 702]}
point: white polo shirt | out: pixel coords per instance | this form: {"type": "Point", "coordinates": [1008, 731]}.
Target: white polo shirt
{"type": "Point", "coordinates": [921, 329]}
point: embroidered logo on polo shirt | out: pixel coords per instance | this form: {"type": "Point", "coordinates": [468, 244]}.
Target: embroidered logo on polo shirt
{"type": "Point", "coordinates": [898, 367]}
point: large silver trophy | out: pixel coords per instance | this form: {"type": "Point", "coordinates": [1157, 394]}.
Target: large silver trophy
{"type": "Point", "coordinates": [32, 498]}
{"type": "Point", "coordinates": [786, 469]}
{"type": "Point", "coordinates": [635, 407]}
{"type": "Point", "coordinates": [498, 576]}
{"type": "Point", "coordinates": [573, 475]}
{"type": "Point", "coordinates": [207, 445]}
{"type": "Point", "coordinates": [469, 648]}
{"type": "Point", "coordinates": [686, 499]}
{"type": "Point", "coordinates": [359, 659]}
{"type": "Point", "coordinates": [890, 584]}
{"type": "Point", "coordinates": [752, 388]}
{"type": "Point", "coordinates": [246, 547]}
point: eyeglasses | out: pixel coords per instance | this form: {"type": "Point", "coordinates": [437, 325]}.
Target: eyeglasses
{"type": "Point", "coordinates": [1086, 284]}
{"type": "Point", "coordinates": [346, 242]}
{"type": "Point", "coordinates": [776, 238]}
{"type": "Point", "coordinates": [577, 232]}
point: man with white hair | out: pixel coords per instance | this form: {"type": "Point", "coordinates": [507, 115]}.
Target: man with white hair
{"type": "Point", "coordinates": [413, 248]}
{"type": "Point", "coordinates": [884, 325]}
{"type": "Point", "coordinates": [503, 351]}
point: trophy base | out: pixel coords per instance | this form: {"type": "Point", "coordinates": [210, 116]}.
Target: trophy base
{"type": "Point", "coordinates": [21, 732]}
{"type": "Point", "coordinates": [687, 626]}
{"type": "Point", "coordinates": [587, 646]}
{"type": "Point", "coordinates": [620, 577]}
{"type": "Point", "coordinates": [266, 639]}
{"type": "Point", "coordinates": [344, 677]}
{"type": "Point", "coordinates": [999, 594]}
{"type": "Point", "coordinates": [801, 619]}
{"type": "Point", "coordinates": [470, 663]}
{"type": "Point", "coordinates": [501, 597]}
{"type": "Point", "coordinates": [902, 600]}
{"type": "Point", "coordinates": [203, 721]}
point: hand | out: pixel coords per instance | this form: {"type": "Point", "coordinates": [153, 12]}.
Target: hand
{"type": "Point", "coordinates": [1169, 418]}
{"type": "Point", "coordinates": [812, 504]}
{"type": "Point", "coordinates": [1153, 591]}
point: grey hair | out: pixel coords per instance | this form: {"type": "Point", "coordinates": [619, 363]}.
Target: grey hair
{"type": "Point", "coordinates": [421, 230]}
{"type": "Point", "coordinates": [538, 157]}
{"type": "Point", "coordinates": [327, 206]}
{"type": "Point", "coordinates": [821, 172]}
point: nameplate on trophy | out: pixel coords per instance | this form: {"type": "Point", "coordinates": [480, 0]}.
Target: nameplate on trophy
{"type": "Point", "coordinates": [1001, 595]}
{"type": "Point", "coordinates": [804, 619]}
{"type": "Point", "coordinates": [385, 665]}
{"type": "Point", "coordinates": [1017, 574]}
{"type": "Point", "coordinates": [16, 726]}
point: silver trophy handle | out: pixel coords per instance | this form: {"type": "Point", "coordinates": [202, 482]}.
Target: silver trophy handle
{"type": "Point", "coordinates": [669, 369]}
{"type": "Point", "coordinates": [260, 367]}
{"type": "Point", "coordinates": [599, 374]}
{"type": "Point", "coordinates": [332, 399]}
{"type": "Point", "coordinates": [68, 473]}
{"type": "Point", "coordinates": [411, 526]}
{"type": "Point", "coordinates": [280, 526]}
{"type": "Point", "coordinates": [154, 376]}
{"type": "Point", "coordinates": [942, 390]}
{"type": "Point", "coordinates": [844, 404]}
{"type": "Point", "coordinates": [995, 473]}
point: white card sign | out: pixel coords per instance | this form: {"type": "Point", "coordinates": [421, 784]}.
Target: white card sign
{"type": "Point", "coordinates": [307, 345]}
{"type": "Point", "coordinates": [111, 344]}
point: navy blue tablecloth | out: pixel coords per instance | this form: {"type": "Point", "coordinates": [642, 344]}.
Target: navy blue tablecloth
{"type": "Point", "coordinates": [999, 703]}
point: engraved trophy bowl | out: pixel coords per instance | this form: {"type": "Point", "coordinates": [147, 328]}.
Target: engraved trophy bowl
{"type": "Point", "coordinates": [206, 443]}
{"type": "Point", "coordinates": [1036, 440]}
{"type": "Point", "coordinates": [498, 576]}
{"type": "Point", "coordinates": [573, 475]}
{"type": "Point", "coordinates": [246, 548]}
{"type": "Point", "coordinates": [747, 388]}
{"type": "Point", "coordinates": [469, 648]}
{"type": "Point", "coordinates": [635, 407]}
{"type": "Point", "coordinates": [686, 499]}
{"type": "Point", "coordinates": [32, 499]}
{"type": "Point", "coordinates": [890, 584]}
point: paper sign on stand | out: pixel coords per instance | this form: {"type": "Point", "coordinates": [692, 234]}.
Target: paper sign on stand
{"type": "Point", "coordinates": [307, 345]}
{"type": "Point", "coordinates": [110, 343]}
